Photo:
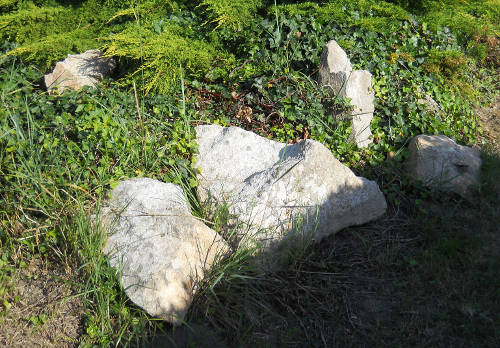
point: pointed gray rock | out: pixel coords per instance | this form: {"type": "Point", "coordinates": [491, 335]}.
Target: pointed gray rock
{"type": "Point", "coordinates": [335, 67]}
{"type": "Point", "coordinates": [336, 72]}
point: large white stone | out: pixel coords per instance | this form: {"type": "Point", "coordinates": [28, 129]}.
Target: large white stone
{"type": "Point", "coordinates": [79, 70]}
{"type": "Point", "coordinates": [159, 249]}
{"type": "Point", "coordinates": [228, 156]}
{"type": "Point", "coordinates": [275, 191]}
{"type": "Point", "coordinates": [443, 164]}
{"type": "Point", "coordinates": [336, 72]}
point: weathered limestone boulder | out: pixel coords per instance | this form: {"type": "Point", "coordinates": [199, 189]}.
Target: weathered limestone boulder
{"type": "Point", "coordinates": [441, 163]}
{"type": "Point", "coordinates": [79, 70]}
{"type": "Point", "coordinates": [277, 191]}
{"type": "Point", "coordinates": [159, 249]}
{"type": "Point", "coordinates": [228, 156]}
{"type": "Point", "coordinates": [336, 71]}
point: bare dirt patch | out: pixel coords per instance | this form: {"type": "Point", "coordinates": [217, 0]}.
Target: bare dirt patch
{"type": "Point", "coordinates": [44, 313]}
{"type": "Point", "coordinates": [490, 121]}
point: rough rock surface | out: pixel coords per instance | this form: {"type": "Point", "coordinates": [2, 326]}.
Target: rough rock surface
{"type": "Point", "coordinates": [79, 70]}
{"type": "Point", "coordinates": [441, 163]}
{"type": "Point", "coordinates": [158, 247]}
{"type": "Point", "coordinates": [335, 67]}
{"type": "Point", "coordinates": [279, 191]}
{"type": "Point", "coordinates": [228, 156]}
{"type": "Point", "coordinates": [359, 90]}
{"type": "Point", "coordinates": [429, 103]}
{"type": "Point", "coordinates": [336, 71]}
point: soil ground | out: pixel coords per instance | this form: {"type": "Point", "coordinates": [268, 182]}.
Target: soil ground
{"type": "Point", "coordinates": [45, 311]}
{"type": "Point", "coordinates": [490, 120]}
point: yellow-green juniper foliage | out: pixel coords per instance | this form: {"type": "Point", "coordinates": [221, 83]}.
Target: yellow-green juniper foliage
{"type": "Point", "coordinates": [232, 13]}
{"type": "Point", "coordinates": [159, 37]}
{"type": "Point", "coordinates": [149, 36]}
{"type": "Point", "coordinates": [161, 55]}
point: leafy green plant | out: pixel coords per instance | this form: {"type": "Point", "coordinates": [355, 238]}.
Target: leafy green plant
{"type": "Point", "coordinates": [370, 15]}
{"type": "Point", "coordinates": [6, 285]}
{"type": "Point", "coordinates": [232, 13]}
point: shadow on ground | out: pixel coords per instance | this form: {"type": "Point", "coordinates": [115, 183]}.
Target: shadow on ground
{"type": "Point", "coordinates": [427, 274]}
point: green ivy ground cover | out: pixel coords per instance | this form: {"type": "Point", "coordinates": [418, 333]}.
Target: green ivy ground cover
{"type": "Point", "coordinates": [246, 63]}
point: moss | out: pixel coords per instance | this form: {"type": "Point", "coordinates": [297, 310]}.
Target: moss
{"type": "Point", "coordinates": [405, 56]}
{"type": "Point", "coordinates": [453, 68]}
{"type": "Point", "coordinates": [448, 63]}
